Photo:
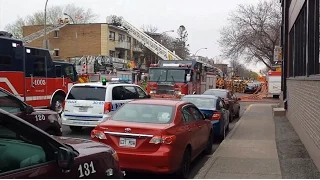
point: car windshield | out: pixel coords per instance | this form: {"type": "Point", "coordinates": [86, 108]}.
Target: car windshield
{"type": "Point", "coordinates": [87, 93]}
{"type": "Point", "coordinates": [168, 75]}
{"type": "Point", "coordinates": [222, 94]}
{"type": "Point", "coordinates": [144, 113]}
{"type": "Point", "coordinates": [202, 102]}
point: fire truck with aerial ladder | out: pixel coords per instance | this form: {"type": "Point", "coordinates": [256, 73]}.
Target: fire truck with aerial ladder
{"type": "Point", "coordinates": [32, 75]}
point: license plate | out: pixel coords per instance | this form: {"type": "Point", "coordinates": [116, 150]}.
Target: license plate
{"type": "Point", "coordinates": [127, 142]}
{"type": "Point", "coordinates": [83, 109]}
{"type": "Point", "coordinates": [80, 122]}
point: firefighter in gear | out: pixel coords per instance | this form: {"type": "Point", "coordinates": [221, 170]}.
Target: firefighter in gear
{"type": "Point", "coordinates": [221, 84]}
{"type": "Point", "coordinates": [241, 87]}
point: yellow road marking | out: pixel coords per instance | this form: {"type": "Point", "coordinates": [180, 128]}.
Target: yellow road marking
{"type": "Point", "coordinates": [248, 108]}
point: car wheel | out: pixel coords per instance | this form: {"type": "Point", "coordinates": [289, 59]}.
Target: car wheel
{"type": "Point", "coordinates": [75, 128]}
{"type": "Point", "coordinates": [238, 113]}
{"type": "Point", "coordinates": [231, 117]}
{"type": "Point", "coordinates": [228, 126]}
{"type": "Point", "coordinates": [209, 148]}
{"type": "Point", "coordinates": [57, 102]}
{"type": "Point", "coordinates": [185, 165]}
{"type": "Point", "coordinates": [51, 132]}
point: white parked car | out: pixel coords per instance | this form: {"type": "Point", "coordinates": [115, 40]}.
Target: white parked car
{"type": "Point", "coordinates": [87, 104]}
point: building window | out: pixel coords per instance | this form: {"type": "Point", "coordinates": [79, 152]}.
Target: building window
{"type": "Point", "coordinates": [129, 39]}
{"type": "Point", "coordinates": [298, 41]}
{"type": "Point", "coordinates": [121, 37]}
{"type": "Point", "coordinates": [112, 53]}
{"type": "Point", "coordinates": [56, 34]}
{"type": "Point", "coordinates": [56, 52]}
{"type": "Point", "coordinates": [112, 35]}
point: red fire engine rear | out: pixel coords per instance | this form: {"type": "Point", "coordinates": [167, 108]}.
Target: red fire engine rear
{"type": "Point", "coordinates": [31, 75]}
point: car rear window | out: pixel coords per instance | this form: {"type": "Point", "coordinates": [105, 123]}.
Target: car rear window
{"type": "Point", "coordinates": [87, 93]}
{"type": "Point", "coordinates": [202, 102]}
{"type": "Point", "coordinates": [144, 113]}
{"type": "Point", "coordinates": [218, 93]}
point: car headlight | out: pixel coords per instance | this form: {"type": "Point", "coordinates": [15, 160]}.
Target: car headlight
{"type": "Point", "coordinates": [153, 92]}
{"type": "Point", "coordinates": [177, 92]}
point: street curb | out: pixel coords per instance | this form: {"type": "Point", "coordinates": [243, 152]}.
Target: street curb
{"type": "Point", "coordinates": [207, 166]}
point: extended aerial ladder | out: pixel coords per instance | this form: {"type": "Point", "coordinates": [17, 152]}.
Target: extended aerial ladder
{"type": "Point", "coordinates": [143, 38]}
{"type": "Point", "coordinates": [50, 28]}
{"type": "Point", "coordinates": [148, 41]}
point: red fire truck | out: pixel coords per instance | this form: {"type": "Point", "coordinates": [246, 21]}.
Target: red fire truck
{"type": "Point", "coordinates": [175, 78]}
{"type": "Point", "coordinates": [31, 74]}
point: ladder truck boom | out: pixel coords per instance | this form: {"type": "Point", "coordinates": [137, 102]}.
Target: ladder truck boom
{"type": "Point", "coordinates": [143, 38]}
{"type": "Point", "coordinates": [50, 28]}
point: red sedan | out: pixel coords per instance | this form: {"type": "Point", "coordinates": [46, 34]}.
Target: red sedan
{"type": "Point", "coordinates": [159, 136]}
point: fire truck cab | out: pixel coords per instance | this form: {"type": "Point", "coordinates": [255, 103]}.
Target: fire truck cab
{"type": "Point", "coordinates": [31, 75]}
{"type": "Point", "coordinates": [176, 78]}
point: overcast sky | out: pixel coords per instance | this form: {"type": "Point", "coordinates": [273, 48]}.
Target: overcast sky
{"type": "Point", "coordinates": [202, 18]}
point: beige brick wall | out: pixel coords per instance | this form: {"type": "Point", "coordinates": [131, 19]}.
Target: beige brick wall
{"type": "Point", "coordinates": [74, 40]}
{"type": "Point", "coordinates": [304, 113]}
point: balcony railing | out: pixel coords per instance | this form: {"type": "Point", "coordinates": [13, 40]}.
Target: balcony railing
{"type": "Point", "coordinates": [122, 45]}
{"type": "Point", "coordinates": [137, 49]}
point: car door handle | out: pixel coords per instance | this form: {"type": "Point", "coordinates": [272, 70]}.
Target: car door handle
{"type": "Point", "coordinates": [199, 126]}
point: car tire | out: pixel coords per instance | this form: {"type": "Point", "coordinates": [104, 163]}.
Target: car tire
{"type": "Point", "coordinates": [51, 132]}
{"type": "Point", "coordinates": [184, 171]}
{"type": "Point", "coordinates": [75, 128]}
{"type": "Point", "coordinates": [231, 117]}
{"type": "Point", "coordinates": [238, 113]}
{"type": "Point", "coordinates": [209, 147]}
{"type": "Point", "coordinates": [57, 102]}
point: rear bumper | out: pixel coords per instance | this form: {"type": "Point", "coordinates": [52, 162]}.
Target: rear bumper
{"type": "Point", "coordinates": [166, 96]}
{"type": "Point", "coordinates": [216, 127]}
{"type": "Point", "coordinates": [160, 162]}
{"type": "Point", "coordinates": [80, 121]}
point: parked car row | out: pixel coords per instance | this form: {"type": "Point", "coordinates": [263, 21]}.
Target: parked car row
{"type": "Point", "coordinates": [129, 130]}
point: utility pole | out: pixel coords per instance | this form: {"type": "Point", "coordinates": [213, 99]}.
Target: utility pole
{"type": "Point", "coordinates": [45, 27]}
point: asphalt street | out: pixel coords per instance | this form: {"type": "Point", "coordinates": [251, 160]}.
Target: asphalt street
{"type": "Point", "coordinates": [196, 165]}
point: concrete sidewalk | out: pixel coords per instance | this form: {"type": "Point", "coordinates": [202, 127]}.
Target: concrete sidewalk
{"type": "Point", "coordinates": [249, 151]}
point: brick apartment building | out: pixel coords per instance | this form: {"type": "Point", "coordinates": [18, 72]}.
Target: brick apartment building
{"type": "Point", "coordinates": [300, 71]}
{"type": "Point", "coordinates": [76, 40]}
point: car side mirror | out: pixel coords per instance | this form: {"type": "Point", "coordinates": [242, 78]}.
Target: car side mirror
{"type": "Point", "coordinates": [188, 78]}
{"type": "Point", "coordinates": [29, 109]}
{"type": "Point", "coordinates": [65, 158]}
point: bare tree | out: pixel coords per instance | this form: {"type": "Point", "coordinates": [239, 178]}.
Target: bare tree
{"type": "Point", "coordinates": [149, 28]}
{"type": "Point", "coordinates": [78, 14]}
{"type": "Point", "coordinates": [239, 69]}
{"type": "Point", "coordinates": [180, 44]}
{"type": "Point", "coordinates": [253, 32]}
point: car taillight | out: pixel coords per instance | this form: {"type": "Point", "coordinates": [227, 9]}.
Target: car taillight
{"type": "Point", "coordinates": [163, 139]}
{"type": "Point", "coordinates": [98, 134]}
{"type": "Point", "coordinates": [216, 116]}
{"type": "Point", "coordinates": [107, 107]}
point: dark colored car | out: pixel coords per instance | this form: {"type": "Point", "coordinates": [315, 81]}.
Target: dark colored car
{"type": "Point", "coordinates": [251, 87]}
{"type": "Point", "coordinates": [47, 120]}
{"type": "Point", "coordinates": [229, 98]}
{"type": "Point", "coordinates": [27, 152]}
{"type": "Point", "coordinates": [214, 108]}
